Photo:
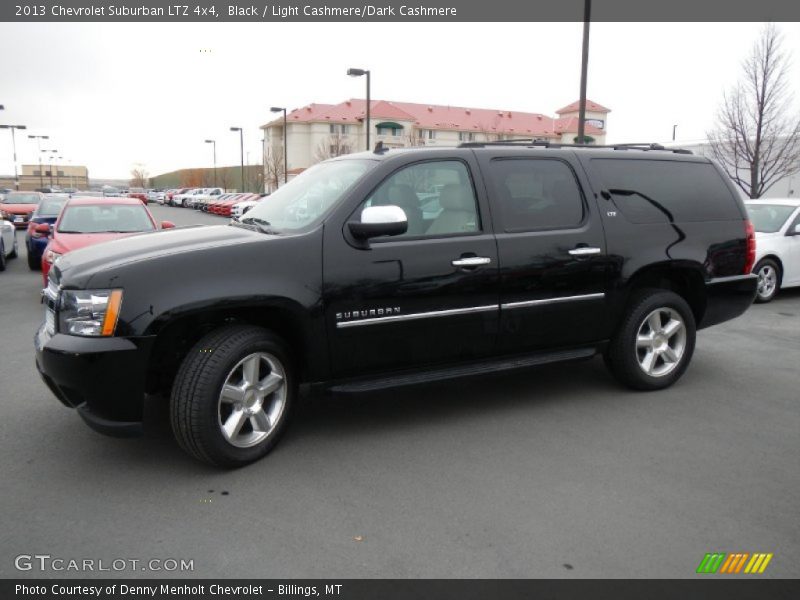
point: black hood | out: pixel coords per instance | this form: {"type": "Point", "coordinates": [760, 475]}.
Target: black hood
{"type": "Point", "coordinates": [82, 264]}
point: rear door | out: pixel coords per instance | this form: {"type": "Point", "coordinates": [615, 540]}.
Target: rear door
{"type": "Point", "coordinates": [552, 251]}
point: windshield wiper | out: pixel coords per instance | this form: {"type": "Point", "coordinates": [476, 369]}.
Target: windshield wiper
{"type": "Point", "coordinates": [260, 224]}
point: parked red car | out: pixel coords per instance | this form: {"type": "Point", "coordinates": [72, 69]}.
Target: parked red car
{"type": "Point", "coordinates": [224, 208]}
{"type": "Point", "coordinates": [87, 221]}
{"type": "Point", "coordinates": [140, 195]}
{"type": "Point", "coordinates": [18, 206]}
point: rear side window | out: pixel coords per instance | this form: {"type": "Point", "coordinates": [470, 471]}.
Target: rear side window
{"type": "Point", "coordinates": [536, 194]}
{"type": "Point", "coordinates": [656, 191]}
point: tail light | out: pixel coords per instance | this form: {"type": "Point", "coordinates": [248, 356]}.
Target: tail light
{"type": "Point", "coordinates": [750, 257]}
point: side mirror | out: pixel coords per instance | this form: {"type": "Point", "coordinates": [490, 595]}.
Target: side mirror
{"type": "Point", "coordinates": [379, 220]}
{"type": "Point", "coordinates": [167, 224]}
{"type": "Point", "coordinates": [43, 228]}
{"type": "Point", "coordinates": [795, 230]}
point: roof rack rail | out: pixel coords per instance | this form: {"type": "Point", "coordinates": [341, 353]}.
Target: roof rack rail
{"type": "Point", "coordinates": [531, 143]}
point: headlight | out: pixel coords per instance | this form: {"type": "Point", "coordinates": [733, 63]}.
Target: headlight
{"type": "Point", "coordinates": [50, 256]}
{"type": "Point", "coordinates": [89, 312]}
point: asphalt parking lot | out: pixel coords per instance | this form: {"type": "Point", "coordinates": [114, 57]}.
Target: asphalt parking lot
{"type": "Point", "coordinates": [555, 472]}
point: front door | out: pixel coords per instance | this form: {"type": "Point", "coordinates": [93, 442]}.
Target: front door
{"type": "Point", "coordinates": [423, 298]}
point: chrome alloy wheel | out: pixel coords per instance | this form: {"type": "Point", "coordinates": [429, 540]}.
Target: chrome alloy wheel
{"type": "Point", "coordinates": [767, 281]}
{"type": "Point", "coordinates": [252, 400]}
{"type": "Point", "coordinates": [661, 342]}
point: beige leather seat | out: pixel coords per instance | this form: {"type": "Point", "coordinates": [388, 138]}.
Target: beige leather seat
{"type": "Point", "coordinates": [458, 211]}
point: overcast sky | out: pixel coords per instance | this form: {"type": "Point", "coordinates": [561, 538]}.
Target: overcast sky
{"type": "Point", "coordinates": [113, 95]}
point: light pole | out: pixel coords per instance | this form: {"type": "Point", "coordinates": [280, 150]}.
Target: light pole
{"type": "Point", "coordinates": [14, 146]}
{"type": "Point", "coordinates": [241, 150]}
{"type": "Point", "coordinates": [39, 139]}
{"type": "Point", "coordinates": [51, 163]}
{"type": "Point", "coordinates": [674, 127]}
{"type": "Point", "coordinates": [285, 149]}
{"type": "Point", "coordinates": [587, 15]}
{"type": "Point", "coordinates": [214, 142]}
{"type": "Point", "coordinates": [57, 181]}
{"type": "Point", "coordinates": [359, 73]}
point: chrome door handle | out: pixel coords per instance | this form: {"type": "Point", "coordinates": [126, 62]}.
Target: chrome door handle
{"type": "Point", "coordinates": [585, 251]}
{"type": "Point", "coordinates": [471, 261]}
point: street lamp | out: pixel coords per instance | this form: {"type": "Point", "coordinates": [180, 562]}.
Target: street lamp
{"type": "Point", "coordinates": [587, 15]}
{"type": "Point", "coordinates": [359, 73]}
{"type": "Point", "coordinates": [39, 139]}
{"type": "Point", "coordinates": [57, 180]}
{"type": "Point", "coordinates": [285, 150]}
{"type": "Point", "coordinates": [51, 163]}
{"type": "Point", "coordinates": [14, 145]}
{"type": "Point", "coordinates": [241, 150]}
{"type": "Point", "coordinates": [215, 159]}
{"type": "Point", "coordinates": [674, 127]}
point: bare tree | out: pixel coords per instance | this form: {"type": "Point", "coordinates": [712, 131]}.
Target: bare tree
{"type": "Point", "coordinates": [139, 176]}
{"type": "Point", "coordinates": [334, 145]}
{"type": "Point", "coordinates": [757, 138]}
{"type": "Point", "coordinates": [273, 167]}
{"type": "Point", "coordinates": [224, 178]}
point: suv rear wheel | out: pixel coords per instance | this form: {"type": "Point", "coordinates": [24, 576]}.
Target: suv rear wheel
{"type": "Point", "coordinates": [232, 396]}
{"type": "Point", "coordinates": [655, 342]}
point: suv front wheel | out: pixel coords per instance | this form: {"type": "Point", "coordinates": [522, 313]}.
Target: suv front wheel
{"type": "Point", "coordinates": [232, 396]}
{"type": "Point", "coordinates": [655, 342]}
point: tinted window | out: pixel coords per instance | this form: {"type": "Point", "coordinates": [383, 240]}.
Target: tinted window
{"type": "Point", "coordinates": [436, 196]}
{"type": "Point", "coordinates": [536, 194]}
{"type": "Point", "coordinates": [682, 191]}
{"type": "Point", "coordinates": [105, 218]}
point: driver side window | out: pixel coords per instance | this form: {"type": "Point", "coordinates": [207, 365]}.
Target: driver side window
{"type": "Point", "coordinates": [437, 198]}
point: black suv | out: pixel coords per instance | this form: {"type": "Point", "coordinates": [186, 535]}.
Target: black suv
{"type": "Point", "coordinates": [397, 267]}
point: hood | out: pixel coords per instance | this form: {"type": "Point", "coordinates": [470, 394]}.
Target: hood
{"type": "Point", "coordinates": [760, 235]}
{"type": "Point", "coordinates": [18, 208]}
{"type": "Point", "coordinates": [67, 242]}
{"type": "Point", "coordinates": [92, 259]}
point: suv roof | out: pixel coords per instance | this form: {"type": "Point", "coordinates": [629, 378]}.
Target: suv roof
{"type": "Point", "coordinates": [382, 152]}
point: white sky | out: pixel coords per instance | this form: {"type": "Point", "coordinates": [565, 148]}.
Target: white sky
{"type": "Point", "coordinates": [111, 95]}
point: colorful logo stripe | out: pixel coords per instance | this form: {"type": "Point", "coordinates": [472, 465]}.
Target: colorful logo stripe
{"type": "Point", "coordinates": [734, 562]}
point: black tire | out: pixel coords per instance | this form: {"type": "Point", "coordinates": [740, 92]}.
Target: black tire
{"type": "Point", "coordinates": [766, 292]}
{"type": "Point", "coordinates": [624, 354]}
{"type": "Point", "coordinates": [33, 264]}
{"type": "Point", "coordinates": [13, 253]}
{"type": "Point", "coordinates": [195, 403]}
{"type": "Point", "coordinates": [2, 256]}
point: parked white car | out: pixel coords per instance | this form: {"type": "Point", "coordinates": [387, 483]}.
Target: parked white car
{"type": "Point", "coordinates": [8, 242]}
{"type": "Point", "coordinates": [206, 195]}
{"type": "Point", "coordinates": [181, 199]}
{"type": "Point", "coordinates": [239, 209]}
{"type": "Point", "coordinates": [156, 196]}
{"type": "Point", "coordinates": [777, 225]}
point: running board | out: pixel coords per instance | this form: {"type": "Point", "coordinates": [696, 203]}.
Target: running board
{"type": "Point", "coordinates": [442, 374]}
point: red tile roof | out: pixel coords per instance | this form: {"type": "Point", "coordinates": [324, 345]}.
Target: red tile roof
{"type": "Point", "coordinates": [432, 116]}
{"type": "Point", "coordinates": [590, 105]}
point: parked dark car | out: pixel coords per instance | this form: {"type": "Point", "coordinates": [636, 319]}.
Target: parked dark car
{"type": "Point", "coordinates": [40, 228]}
{"type": "Point", "coordinates": [394, 268]}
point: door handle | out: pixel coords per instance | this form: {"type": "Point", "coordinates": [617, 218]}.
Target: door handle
{"type": "Point", "coordinates": [471, 261]}
{"type": "Point", "coordinates": [584, 251]}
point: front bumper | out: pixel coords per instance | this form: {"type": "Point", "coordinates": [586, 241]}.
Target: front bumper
{"type": "Point", "coordinates": [727, 298]}
{"type": "Point", "coordinates": [103, 378]}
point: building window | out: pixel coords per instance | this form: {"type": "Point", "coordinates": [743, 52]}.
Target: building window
{"type": "Point", "coordinates": [427, 134]}
{"type": "Point", "coordinates": [389, 131]}
{"type": "Point", "coordinates": [339, 128]}
{"type": "Point", "coordinates": [466, 136]}
{"type": "Point", "coordinates": [37, 172]}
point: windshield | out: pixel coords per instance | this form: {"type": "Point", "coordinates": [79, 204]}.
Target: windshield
{"type": "Point", "coordinates": [310, 196]}
{"type": "Point", "coordinates": [104, 218]}
{"type": "Point", "coordinates": [21, 199]}
{"type": "Point", "coordinates": [50, 207]}
{"type": "Point", "coordinates": [769, 218]}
